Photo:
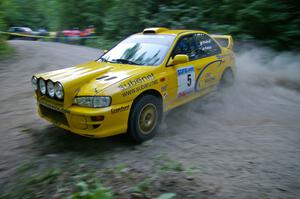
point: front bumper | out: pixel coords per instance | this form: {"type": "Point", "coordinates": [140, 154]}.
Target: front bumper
{"type": "Point", "coordinates": [90, 122]}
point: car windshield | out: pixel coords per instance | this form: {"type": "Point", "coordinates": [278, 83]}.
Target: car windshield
{"type": "Point", "coordinates": [147, 50]}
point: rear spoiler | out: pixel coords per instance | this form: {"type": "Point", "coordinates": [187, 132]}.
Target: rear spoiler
{"type": "Point", "coordinates": [224, 40]}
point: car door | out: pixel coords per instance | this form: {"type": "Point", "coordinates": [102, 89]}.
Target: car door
{"type": "Point", "coordinates": [181, 77]}
{"type": "Point", "coordinates": [193, 77]}
{"type": "Point", "coordinates": [209, 64]}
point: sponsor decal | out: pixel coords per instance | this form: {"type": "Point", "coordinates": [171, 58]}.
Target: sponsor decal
{"type": "Point", "coordinates": [209, 77]}
{"type": "Point", "coordinates": [164, 91]}
{"type": "Point", "coordinates": [206, 48]}
{"type": "Point", "coordinates": [204, 42]}
{"type": "Point", "coordinates": [120, 109]}
{"type": "Point", "coordinates": [198, 82]}
{"type": "Point", "coordinates": [139, 88]}
{"type": "Point", "coordinates": [186, 80]}
{"type": "Point", "coordinates": [136, 82]}
{"type": "Point", "coordinates": [164, 88]}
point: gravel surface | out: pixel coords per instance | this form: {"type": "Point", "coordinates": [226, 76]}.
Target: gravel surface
{"type": "Point", "coordinates": [244, 142]}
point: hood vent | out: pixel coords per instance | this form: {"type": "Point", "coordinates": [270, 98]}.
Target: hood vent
{"type": "Point", "coordinates": [106, 78]}
{"type": "Point", "coordinates": [110, 78]}
{"type": "Point", "coordinates": [103, 77]}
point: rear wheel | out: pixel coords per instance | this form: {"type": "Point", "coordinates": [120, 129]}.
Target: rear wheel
{"type": "Point", "coordinates": [227, 78]}
{"type": "Point", "coordinates": [144, 119]}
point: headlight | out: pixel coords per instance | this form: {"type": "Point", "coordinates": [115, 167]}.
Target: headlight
{"type": "Point", "coordinates": [34, 82]}
{"type": "Point", "coordinates": [42, 86]}
{"type": "Point", "coordinates": [59, 90]}
{"type": "Point", "coordinates": [93, 101]}
{"type": "Point", "coordinates": [50, 88]}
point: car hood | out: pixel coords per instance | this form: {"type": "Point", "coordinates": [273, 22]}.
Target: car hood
{"type": "Point", "coordinates": [91, 78]}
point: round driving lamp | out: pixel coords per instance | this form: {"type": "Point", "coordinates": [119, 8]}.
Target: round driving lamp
{"type": "Point", "coordinates": [59, 90]}
{"type": "Point", "coordinates": [42, 86]}
{"type": "Point", "coordinates": [50, 89]}
{"type": "Point", "coordinates": [34, 82]}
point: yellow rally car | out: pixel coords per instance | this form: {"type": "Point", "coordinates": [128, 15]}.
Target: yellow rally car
{"type": "Point", "coordinates": [130, 86]}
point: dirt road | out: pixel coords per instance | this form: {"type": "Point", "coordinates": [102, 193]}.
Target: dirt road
{"type": "Point", "coordinates": [240, 143]}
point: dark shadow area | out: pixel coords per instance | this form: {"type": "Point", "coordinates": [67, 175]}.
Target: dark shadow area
{"type": "Point", "coordinates": [55, 140]}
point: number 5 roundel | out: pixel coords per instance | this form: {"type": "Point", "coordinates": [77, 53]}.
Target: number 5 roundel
{"type": "Point", "coordinates": [186, 80]}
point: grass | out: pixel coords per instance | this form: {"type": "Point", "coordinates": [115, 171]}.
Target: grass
{"type": "Point", "coordinates": [91, 191]}
{"type": "Point", "coordinates": [5, 49]}
{"type": "Point", "coordinates": [45, 178]}
{"type": "Point", "coordinates": [77, 179]}
{"type": "Point", "coordinates": [30, 186]}
{"type": "Point", "coordinates": [166, 164]}
{"type": "Point", "coordinates": [142, 186]}
{"type": "Point", "coordinates": [120, 167]}
{"type": "Point", "coordinates": [172, 166]}
{"type": "Point", "coordinates": [25, 167]}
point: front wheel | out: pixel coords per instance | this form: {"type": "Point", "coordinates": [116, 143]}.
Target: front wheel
{"type": "Point", "coordinates": [144, 119]}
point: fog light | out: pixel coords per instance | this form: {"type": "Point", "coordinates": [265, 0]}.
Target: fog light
{"type": "Point", "coordinates": [97, 118]}
{"type": "Point", "coordinates": [79, 122]}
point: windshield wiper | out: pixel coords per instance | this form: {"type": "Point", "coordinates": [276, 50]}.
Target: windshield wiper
{"type": "Point", "coordinates": [125, 61]}
{"type": "Point", "coordinates": [103, 59]}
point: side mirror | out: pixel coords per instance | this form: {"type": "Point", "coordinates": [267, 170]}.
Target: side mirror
{"type": "Point", "coordinates": [179, 59]}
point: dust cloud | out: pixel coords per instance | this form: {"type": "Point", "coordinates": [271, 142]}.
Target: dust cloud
{"type": "Point", "coordinates": [264, 66]}
{"type": "Point", "coordinates": [266, 90]}
{"type": "Point", "coordinates": [245, 137]}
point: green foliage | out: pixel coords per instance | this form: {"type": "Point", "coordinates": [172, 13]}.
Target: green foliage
{"type": "Point", "coordinates": [275, 23]}
{"type": "Point", "coordinates": [83, 13]}
{"type": "Point", "coordinates": [96, 191]}
{"type": "Point", "coordinates": [142, 186]}
{"type": "Point", "coordinates": [45, 178]}
{"type": "Point", "coordinates": [30, 186]}
{"type": "Point", "coordinates": [101, 42]}
{"type": "Point", "coordinates": [166, 164]}
{"type": "Point", "coordinates": [32, 13]}
{"type": "Point", "coordinates": [2, 21]}
{"type": "Point", "coordinates": [121, 167]}
{"type": "Point", "coordinates": [5, 49]}
{"type": "Point", "coordinates": [171, 166]}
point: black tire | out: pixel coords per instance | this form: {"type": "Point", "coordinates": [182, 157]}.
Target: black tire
{"type": "Point", "coordinates": [137, 124]}
{"type": "Point", "coordinates": [227, 79]}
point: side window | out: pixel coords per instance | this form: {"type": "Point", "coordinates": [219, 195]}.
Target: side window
{"type": "Point", "coordinates": [206, 46]}
{"type": "Point", "coordinates": [186, 45]}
